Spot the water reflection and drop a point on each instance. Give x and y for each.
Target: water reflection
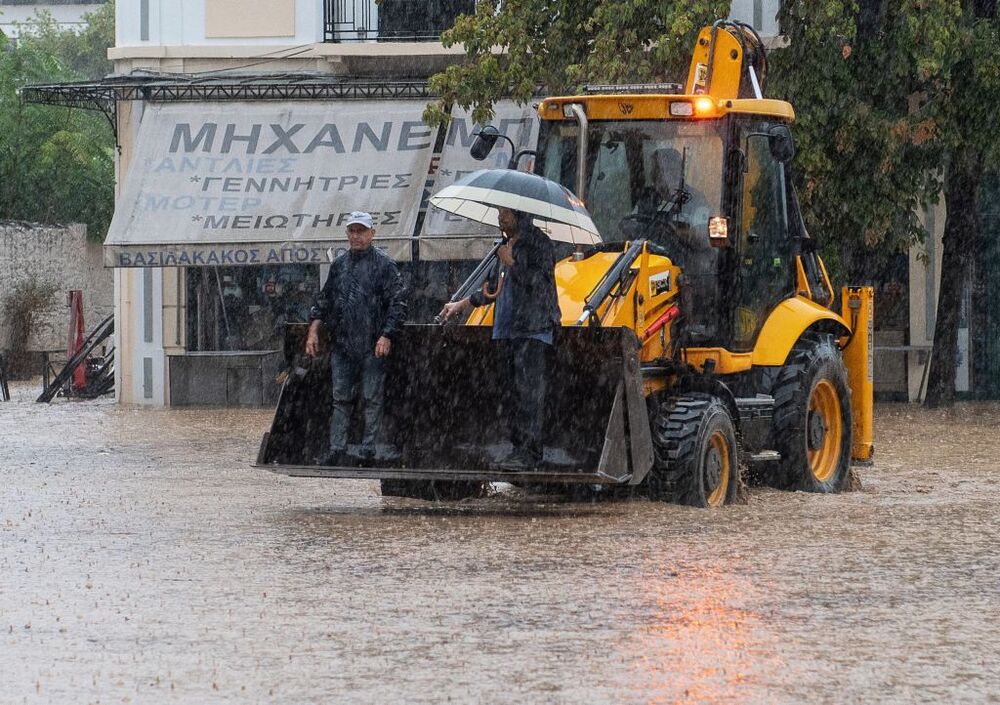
(143, 560)
(701, 642)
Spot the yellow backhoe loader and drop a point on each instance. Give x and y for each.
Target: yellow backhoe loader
(702, 337)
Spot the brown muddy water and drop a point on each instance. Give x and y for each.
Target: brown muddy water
(142, 560)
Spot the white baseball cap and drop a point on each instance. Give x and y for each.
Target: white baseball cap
(361, 218)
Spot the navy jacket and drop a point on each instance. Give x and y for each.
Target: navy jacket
(362, 300)
(533, 284)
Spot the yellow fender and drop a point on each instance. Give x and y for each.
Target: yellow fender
(786, 324)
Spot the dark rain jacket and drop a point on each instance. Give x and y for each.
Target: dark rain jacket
(534, 303)
(362, 300)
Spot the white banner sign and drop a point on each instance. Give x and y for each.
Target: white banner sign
(447, 236)
(268, 183)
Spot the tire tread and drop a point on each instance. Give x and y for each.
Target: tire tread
(812, 352)
(676, 425)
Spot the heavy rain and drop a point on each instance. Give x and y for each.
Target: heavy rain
(465, 351)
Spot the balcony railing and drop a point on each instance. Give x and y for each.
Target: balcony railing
(391, 20)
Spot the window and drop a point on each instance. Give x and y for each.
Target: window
(765, 270)
(144, 20)
(249, 18)
(632, 163)
(246, 308)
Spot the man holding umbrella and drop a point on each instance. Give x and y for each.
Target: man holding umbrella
(527, 306)
(525, 319)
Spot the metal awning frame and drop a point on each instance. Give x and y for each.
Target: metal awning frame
(104, 96)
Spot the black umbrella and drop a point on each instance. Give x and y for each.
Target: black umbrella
(479, 195)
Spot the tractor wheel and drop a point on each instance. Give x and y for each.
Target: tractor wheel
(696, 452)
(812, 419)
(432, 490)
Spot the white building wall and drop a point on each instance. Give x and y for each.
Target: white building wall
(142, 378)
(761, 14)
(183, 23)
(925, 282)
(140, 369)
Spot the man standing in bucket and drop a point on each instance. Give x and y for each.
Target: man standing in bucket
(525, 318)
(362, 306)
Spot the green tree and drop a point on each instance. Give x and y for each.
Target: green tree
(562, 44)
(969, 133)
(56, 164)
(83, 54)
(867, 162)
(893, 103)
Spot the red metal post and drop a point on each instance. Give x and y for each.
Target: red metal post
(74, 340)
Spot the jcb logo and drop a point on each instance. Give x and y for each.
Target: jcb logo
(626, 108)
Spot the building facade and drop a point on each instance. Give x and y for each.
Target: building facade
(304, 110)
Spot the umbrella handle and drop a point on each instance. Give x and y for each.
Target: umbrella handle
(485, 288)
(492, 295)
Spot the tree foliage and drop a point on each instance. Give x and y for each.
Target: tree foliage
(82, 54)
(895, 108)
(517, 46)
(867, 159)
(22, 310)
(56, 164)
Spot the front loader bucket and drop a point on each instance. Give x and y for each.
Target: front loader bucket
(448, 408)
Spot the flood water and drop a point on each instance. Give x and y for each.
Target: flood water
(142, 560)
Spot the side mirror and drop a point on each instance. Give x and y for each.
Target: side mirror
(485, 139)
(781, 143)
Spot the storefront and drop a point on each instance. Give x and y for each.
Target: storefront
(232, 200)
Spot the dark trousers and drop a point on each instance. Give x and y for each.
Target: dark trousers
(527, 358)
(348, 372)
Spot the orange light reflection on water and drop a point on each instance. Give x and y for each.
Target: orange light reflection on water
(703, 642)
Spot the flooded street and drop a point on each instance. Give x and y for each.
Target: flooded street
(143, 560)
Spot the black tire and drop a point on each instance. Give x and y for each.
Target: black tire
(696, 452)
(812, 426)
(433, 490)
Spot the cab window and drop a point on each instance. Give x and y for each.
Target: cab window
(764, 247)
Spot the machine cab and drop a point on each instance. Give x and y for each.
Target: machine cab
(705, 181)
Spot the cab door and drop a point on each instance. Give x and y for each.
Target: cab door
(764, 271)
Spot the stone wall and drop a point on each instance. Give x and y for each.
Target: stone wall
(61, 255)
